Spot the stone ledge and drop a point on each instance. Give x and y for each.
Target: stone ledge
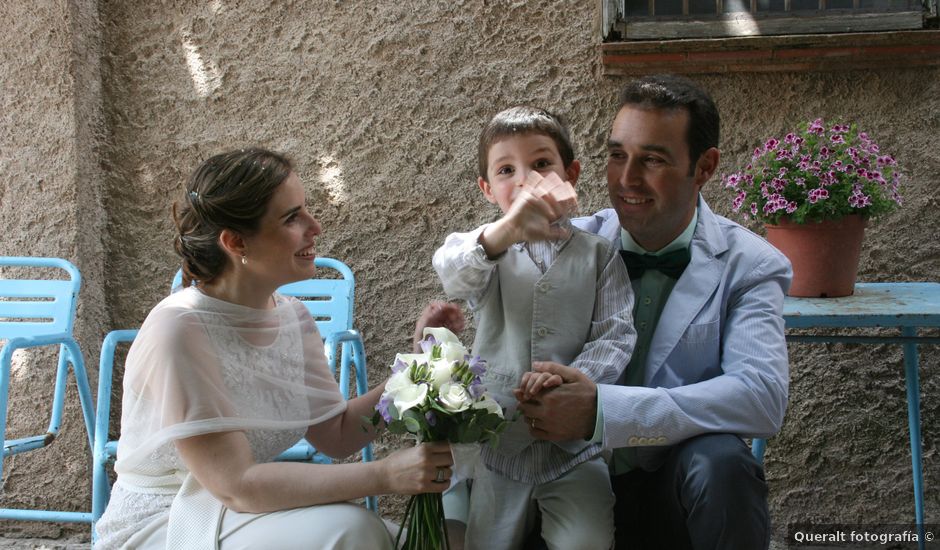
(794, 53)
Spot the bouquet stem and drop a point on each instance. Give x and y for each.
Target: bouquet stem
(425, 524)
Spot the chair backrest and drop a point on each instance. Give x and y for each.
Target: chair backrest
(34, 313)
(33, 307)
(330, 301)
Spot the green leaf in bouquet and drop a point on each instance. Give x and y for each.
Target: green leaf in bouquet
(415, 421)
(411, 424)
(397, 427)
(437, 407)
(472, 433)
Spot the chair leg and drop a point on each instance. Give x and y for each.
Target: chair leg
(58, 398)
(84, 392)
(5, 364)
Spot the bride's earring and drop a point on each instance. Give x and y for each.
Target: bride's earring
(244, 260)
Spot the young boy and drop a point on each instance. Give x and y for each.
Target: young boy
(540, 290)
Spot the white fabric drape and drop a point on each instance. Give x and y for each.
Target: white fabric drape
(201, 365)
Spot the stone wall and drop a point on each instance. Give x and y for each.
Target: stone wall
(51, 205)
(108, 106)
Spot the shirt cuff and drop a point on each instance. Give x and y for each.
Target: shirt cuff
(598, 436)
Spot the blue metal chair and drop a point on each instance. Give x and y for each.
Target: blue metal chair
(330, 302)
(34, 313)
(758, 448)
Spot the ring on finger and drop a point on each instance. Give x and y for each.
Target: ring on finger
(532, 423)
(440, 476)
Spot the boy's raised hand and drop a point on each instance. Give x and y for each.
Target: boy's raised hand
(528, 219)
(560, 190)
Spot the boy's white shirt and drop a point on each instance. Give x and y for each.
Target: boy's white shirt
(465, 271)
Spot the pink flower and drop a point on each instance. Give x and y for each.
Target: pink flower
(859, 200)
(771, 144)
(816, 127)
(837, 138)
(886, 160)
(816, 195)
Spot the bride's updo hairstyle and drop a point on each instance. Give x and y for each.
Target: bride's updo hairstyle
(228, 191)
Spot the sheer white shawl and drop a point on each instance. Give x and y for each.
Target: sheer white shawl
(201, 365)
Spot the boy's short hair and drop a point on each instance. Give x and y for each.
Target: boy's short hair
(522, 120)
(668, 91)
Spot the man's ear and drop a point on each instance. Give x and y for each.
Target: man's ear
(706, 165)
(487, 191)
(573, 171)
(232, 243)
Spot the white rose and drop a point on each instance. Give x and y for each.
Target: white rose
(410, 396)
(441, 334)
(454, 397)
(489, 404)
(441, 372)
(453, 351)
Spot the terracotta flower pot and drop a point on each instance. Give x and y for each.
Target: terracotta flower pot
(824, 254)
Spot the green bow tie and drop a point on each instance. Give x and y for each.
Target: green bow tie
(671, 264)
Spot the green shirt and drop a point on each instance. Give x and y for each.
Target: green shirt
(650, 291)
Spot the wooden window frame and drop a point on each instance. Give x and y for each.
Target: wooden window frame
(868, 44)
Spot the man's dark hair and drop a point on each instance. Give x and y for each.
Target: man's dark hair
(668, 91)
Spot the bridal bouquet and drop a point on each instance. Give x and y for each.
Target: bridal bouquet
(437, 395)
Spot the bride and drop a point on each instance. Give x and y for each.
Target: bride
(227, 374)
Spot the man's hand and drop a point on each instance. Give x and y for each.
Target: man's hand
(566, 412)
(438, 314)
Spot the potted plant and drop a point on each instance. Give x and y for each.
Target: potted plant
(814, 191)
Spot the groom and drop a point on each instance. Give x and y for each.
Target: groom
(710, 364)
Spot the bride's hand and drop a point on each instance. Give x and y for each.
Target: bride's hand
(425, 468)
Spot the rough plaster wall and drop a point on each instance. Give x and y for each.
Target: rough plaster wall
(380, 105)
(843, 454)
(50, 205)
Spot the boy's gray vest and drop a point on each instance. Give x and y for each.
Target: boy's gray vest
(526, 316)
